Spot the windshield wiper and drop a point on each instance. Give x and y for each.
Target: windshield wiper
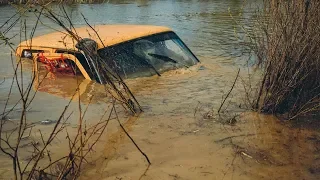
(166, 59)
(162, 57)
(148, 64)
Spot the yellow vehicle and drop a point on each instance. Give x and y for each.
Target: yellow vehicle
(128, 50)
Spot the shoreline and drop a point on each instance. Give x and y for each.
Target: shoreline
(34, 2)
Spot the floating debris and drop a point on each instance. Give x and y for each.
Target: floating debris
(48, 122)
(202, 68)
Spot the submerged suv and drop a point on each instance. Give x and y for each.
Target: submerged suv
(128, 50)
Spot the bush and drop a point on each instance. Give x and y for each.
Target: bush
(288, 50)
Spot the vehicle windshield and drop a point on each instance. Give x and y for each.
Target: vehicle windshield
(148, 55)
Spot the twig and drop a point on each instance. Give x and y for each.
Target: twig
(230, 137)
(131, 138)
(229, 91)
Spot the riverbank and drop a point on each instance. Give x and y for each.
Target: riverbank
(6, 2)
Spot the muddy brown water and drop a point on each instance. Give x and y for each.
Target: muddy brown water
(182, 140)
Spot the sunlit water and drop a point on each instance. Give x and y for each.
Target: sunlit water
(181, 143)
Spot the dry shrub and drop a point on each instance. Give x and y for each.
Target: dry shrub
(287, 45)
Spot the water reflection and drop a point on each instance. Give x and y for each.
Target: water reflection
(69, 86)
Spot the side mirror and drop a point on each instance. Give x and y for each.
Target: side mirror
(87, 45)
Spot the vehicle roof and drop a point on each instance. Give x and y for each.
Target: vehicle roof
(109, 34)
